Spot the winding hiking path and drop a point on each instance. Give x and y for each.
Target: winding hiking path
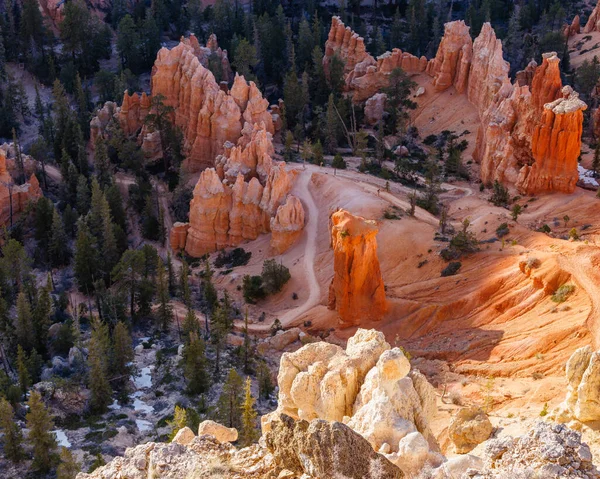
(310, 252)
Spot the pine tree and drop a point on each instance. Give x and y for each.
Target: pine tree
(190, 325)
(40, 437)
(230, 401)
(86, 261)
(245, 59)
(305, 43)
(102, 163)
(249, 433)
(58, 250)
(219, 329)
(18, 158)
(68, 467)
(178, 422)
(265, 383)
(164, 314)
(12, 438)
(171, 275)
(100, 388)
(128, 271)
(195, 365)
(22, 370)
(24, 327)
(122, 351)
(41, 317)
(184, 284)
(331, 126)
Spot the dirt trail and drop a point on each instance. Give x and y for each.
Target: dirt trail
(310, 252)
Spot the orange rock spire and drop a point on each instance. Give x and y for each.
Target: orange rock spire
(357, 291)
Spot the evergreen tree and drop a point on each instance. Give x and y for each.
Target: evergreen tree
(23, 370)
(305, 44)
(12, 438)
(171, 275)
(229, 405)
(98, 357)
(128, 272)
(24, 330)
(331, 126)
(195, 365)
(265, 383)
(40, 437)
(68, 467)
(58, 250)
(249, 433)
(178, 422)
(86, 262)
(102, 163)
(184, 284)
(41, 317)
(164, 313)
(219, 329)
(245, 59)
(122, 351)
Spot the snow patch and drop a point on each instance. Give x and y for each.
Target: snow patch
(61, 438)
(587, 176)
(143, 425)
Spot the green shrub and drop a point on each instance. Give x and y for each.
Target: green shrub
(502, 230)
(338, 162)
(562, 293)
(451, 269)
(500, 196)
(253, 290)
(274, 276)
(233, 258)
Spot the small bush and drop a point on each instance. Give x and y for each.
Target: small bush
(274, 276)
(545, 229)
(573, 234)
(451, 269)
(252, 287)
(502, 230)
(233, 258)
(339, 162)
(544, 411)
(562, 293)
(500, 196)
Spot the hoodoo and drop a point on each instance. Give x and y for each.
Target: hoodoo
(241, 198)
(357, 291)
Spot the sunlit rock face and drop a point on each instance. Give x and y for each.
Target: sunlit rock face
(593, 23)
(208, 113)
(14, 198)
(370, 387)
(357, 291)
(530, 131)
(245, 195)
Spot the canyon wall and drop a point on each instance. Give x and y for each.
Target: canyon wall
(530, 131)
(208, 113)
(14, 198)
(244, 195)
(593, 23)
(357, 291)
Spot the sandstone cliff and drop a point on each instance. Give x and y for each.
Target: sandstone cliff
(370, 387)
(208, 114)
(520, 141)
(365, 75)
(357, 291)
(245, 195)
(593, 23)
(13, 197)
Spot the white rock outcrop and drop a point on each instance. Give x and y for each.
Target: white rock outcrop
(583, 394)
(218, 431)
(371, 388)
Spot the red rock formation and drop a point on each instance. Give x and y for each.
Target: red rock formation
(178, 236)
(241, 198)
(593, 23)
(14, 198)
(574, 28)
(211, 49)
(208, 115)
(365, 76)
(453, 60)
(357, 291)
(287, 224)
(53, 11)
(556, 145)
